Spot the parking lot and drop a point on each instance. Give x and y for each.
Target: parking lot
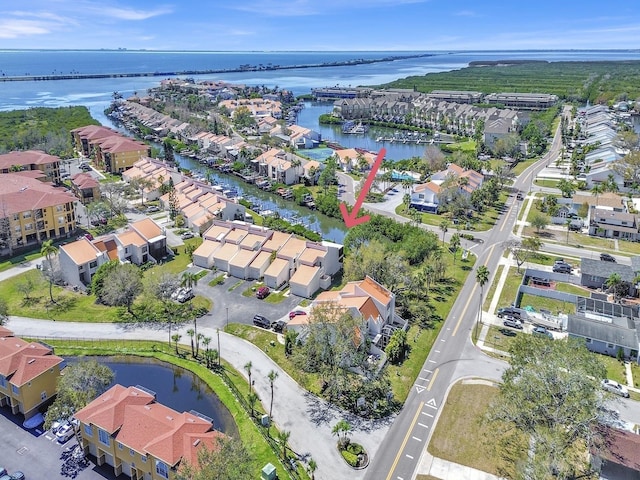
(39, 456)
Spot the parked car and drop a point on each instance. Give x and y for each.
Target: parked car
(519, 196)
(55, 426)
(65, 432)
(562, 267)
(17, 475)
(512, 322)
(85, 167)
(605, 257)
(5, 477)
(542, 331)
(295, 313)
(614, 387)
(511, 311)
(262, 292)
(261, 321)
(152, 209)
(278, 326)
(185, 294)
(187, 234)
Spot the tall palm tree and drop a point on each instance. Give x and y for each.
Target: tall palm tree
(444, 226)
(313, 466)
(272, 375)
(205, 342)
(247, 368)
(176, 338)
(191, 332)
(252, 398)
(190, 280)
(482, 277)
(596, 190)
(49, 250)
(283, 437)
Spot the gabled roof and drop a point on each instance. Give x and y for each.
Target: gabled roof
(27, 157)
(19, 193)
(81, 251)
(147, 228)
(620, 447)
(622, 332)
(21, 362)
(598, 268)
(84, 180)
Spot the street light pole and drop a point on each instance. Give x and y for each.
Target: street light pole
(218, 331)
(227, 317)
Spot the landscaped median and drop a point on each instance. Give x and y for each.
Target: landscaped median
(227, 383)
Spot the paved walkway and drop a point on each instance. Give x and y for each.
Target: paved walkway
(308, 418)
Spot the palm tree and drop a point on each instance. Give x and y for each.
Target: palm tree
(190, 280)
(252, 398)
(206, 341)
(444, 226)
(283, 438)
(482, 277)
(596, 190)
(272, 375)
(313, 466)
(613, 284)
(48, 250)
(454, 245)
(176, 338)
(199, 338)
(247, 368)
(191, 332)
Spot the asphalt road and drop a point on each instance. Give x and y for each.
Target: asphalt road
(453, 356)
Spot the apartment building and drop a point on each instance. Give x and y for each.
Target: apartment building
(49, 165)
(126, 428)
(29, 374)
(32, 211)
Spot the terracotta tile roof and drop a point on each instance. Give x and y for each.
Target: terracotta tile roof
(147, 228)
(107, 411)
(21, 362)
(81, 251)
(91, 132)
(376, 290)
(131, 237)
(311, 255)
(84, 180)
(5, 332)
(251, 240)
(216, 232)
(109, 246)
(434, 187)
(119, 144)
(27, 157)
(20, 193)
(198, 222)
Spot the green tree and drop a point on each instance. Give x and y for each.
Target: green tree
(141, 184)
(454, 245)
(4, 311)
(227, 459)
(272, 376)
(252, 398)
(482, 277)
(49, 250)
(98, 278)
(341, 430)
(81, 383)
(313, 466)
(176, 339)
(597, 190)
(283, 438)
(122, 286)
(539, 221)
(444, 227)
(397, 346)
(550, 392)
(247, 368)
(523, 250)
(567, 187)
(617, 286)
(169, 155)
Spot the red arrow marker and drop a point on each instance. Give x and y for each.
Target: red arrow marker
(350, 219)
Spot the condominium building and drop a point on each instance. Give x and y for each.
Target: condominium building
(32, 211)
(29, 374)
(49, 165)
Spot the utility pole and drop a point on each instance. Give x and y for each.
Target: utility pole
(218, 331)
(227, 318)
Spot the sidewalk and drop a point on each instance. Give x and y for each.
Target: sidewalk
(308, 418)
(20, 268)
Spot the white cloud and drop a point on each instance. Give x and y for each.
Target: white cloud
(132, 14)
(21, 28)
(299, 8)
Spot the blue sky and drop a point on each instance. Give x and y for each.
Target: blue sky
(320, 24)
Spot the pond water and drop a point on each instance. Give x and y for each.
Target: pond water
(174, 387)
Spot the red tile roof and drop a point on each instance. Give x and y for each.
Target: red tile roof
(19, 193)
(28, 157)
(84, 180)
(91, 132)
(21, 362)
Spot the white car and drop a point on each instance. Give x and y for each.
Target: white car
(65, 432)
(614, 387)
(187, 234)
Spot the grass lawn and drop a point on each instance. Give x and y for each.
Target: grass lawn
(236, 285)
(542, 258)
(72, 306)
(546, 182)
(615, 368)
(467, 146)
(276, 297)
(550, 304)
(499, 341)
(475, 444)
(510, 288)
(629, 247)
(571, 288)
(635, 372)
(523, 165)
(578, 240)
(179, 262)
(523, 208)
(217, 280)
(250, 434)
(18, 259)
(492, 289)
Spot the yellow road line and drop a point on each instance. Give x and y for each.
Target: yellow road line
(433, 379)
(466, 306)
(505, 219)
(406, 439)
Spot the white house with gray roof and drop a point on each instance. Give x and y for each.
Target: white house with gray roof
(606, 335)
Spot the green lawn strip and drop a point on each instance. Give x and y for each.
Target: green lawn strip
(268, 343)
(249, 432)
(522, 165)
(552, 305)
(492, 289)
(497, 340)
(523, 208)
(615, 368)
(276, 297)
(249, 292)
(546, 182)
(475, 443)
(510, 288)
(72, 306)
(635, 372)
(200, 302)
(217, 280)
(578, 240)
(629, 247)
(542, 258)
(571, 288)
(18, 259)
(201, 274)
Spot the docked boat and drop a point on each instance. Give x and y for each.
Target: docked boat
(352, 128)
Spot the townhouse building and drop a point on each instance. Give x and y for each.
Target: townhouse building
(129, 430)
(32, 160)
(85, 187)
(427, 197)
(32, 211)
(279, 166)
(29, 373)
(117, 153)
(84, 138)
(252, 252)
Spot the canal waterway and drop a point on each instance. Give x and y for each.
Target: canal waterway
(174, 387)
